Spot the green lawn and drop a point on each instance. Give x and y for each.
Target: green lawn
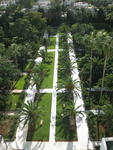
(21, 83)
(52, 43)
(14, 100)
(29, 66)
(42, 132)
(63, 129)
(48, 80)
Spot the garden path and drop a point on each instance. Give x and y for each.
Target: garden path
(22, 129)
(21, 132)
(81, 123)
(53, 50)
(54, 95)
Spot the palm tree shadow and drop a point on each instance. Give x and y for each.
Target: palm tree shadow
(70, 146)
(38, 145)
(64, 127)
(31, 131)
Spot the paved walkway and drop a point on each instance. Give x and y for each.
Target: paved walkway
(81, 123)
(17, 91)
(54, 95)
(21, 132)
(22, 129)
(53, 50)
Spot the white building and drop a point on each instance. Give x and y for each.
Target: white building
(107, 144)
(45, 4)
(5, 3)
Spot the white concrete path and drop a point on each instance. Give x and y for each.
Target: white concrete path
(50, 90)
(17, 91)
(81, 123)
(46, 90)
(21, 132)
(54, 95)
(53, 50)
(22, 129)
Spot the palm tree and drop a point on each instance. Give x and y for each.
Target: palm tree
(45, 43)
(105, 46)
(69, 86)
(107, 119)
(70, 112)
(30, 112)
(89, 41)
(14, 52)
(38, 75)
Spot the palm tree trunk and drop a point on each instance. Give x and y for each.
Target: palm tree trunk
(98, 130)
(104, 69)
(90, 82)
(16, 62)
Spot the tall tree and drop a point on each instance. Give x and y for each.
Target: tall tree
(7, 74)
(30, 112)
(105, 46)
(14, 52)
(54, 13)
(90, 43)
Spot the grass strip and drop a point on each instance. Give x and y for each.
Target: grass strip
(64, 131)
(29, 66)
(22, 82)
(52, 43)
(48, 80)
(42, 132)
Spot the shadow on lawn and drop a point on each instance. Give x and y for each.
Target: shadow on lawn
(68, 133)
(31, 130)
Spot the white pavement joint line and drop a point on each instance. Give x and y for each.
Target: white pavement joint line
(54, 95)
(17, 91)
(82, 128)
(46, 90)
(53, 50)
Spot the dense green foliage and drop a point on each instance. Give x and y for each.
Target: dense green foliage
(22, 32)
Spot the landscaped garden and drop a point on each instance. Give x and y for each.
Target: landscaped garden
(40, 132)
(65, 121)
(22, 32)
(96, 77)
